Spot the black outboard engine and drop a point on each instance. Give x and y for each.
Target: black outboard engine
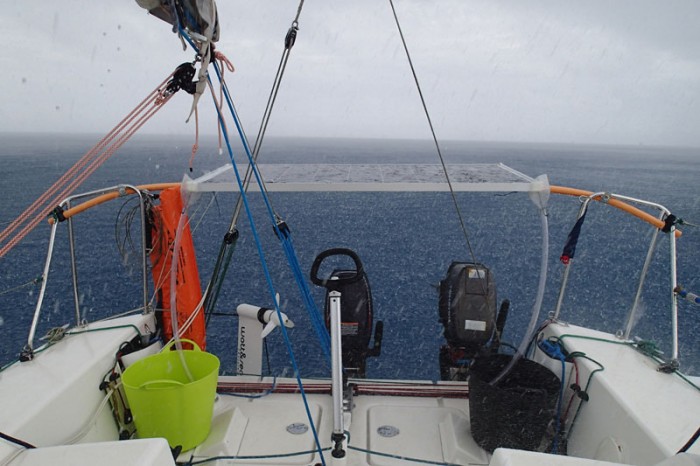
(467, 306)
(356, 312)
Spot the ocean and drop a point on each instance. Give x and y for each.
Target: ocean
(405, 240)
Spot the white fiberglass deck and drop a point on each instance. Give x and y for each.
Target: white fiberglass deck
(274, 429)
(635, 414)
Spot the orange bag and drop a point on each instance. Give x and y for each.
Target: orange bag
(188, 289)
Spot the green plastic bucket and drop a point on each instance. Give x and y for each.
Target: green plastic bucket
(165, 402)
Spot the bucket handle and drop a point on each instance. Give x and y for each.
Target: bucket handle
(163, 381)
(195, 346)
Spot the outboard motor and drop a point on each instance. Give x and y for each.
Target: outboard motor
(467, 306)
(356, 311)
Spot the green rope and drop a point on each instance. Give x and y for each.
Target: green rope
(300, 453)
(252, 457)
(34, 281)
(645, 347)
(580, 405)
(350, 447)
(220, 269)
(403, 458)
(583, 337)
(6, 366)
(90, 330)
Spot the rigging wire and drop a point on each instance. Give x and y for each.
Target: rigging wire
(33, 281)
(269, 282)
(281, 230)
(228, 243)
(277, 227)
(432, 131)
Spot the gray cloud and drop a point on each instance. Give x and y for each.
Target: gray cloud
(623, 72)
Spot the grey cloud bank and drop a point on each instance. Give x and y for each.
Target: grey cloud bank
(624, 72)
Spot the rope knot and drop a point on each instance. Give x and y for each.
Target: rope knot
(224, 61)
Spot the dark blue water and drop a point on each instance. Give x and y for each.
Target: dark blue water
(406, 241)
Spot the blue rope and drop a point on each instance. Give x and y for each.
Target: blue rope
(554, 350)
(284, 236)
(261, 254)
(314, 314)
(270, 285)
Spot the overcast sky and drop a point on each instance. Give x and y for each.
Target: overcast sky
(611, 72)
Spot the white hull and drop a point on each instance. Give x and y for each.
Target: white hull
(635, 414)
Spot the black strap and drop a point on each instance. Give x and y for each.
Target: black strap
(690, 442)
(669, 222)
(16, 441)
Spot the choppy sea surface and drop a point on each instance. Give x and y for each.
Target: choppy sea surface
(405, 240)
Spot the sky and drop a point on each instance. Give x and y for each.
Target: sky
(553, 71)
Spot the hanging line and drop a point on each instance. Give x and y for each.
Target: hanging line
(432, 131)
(84, 167)
(228, 243)
(280, 227)
(33, 281)
(289, 41)
(283, 233)
(225, 64)
(256, 237)
(37, 204)
(266, 272)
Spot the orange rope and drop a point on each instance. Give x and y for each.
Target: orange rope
(77, 181)
(615, 203)
(82, 169)
(225, 64)
(220, 116)
(224, 61)
(37, 204)
(195, 146)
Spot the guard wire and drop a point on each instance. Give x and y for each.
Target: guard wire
(16, 441)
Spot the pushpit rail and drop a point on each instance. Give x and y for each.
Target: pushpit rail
(65, 212)
(659, 223)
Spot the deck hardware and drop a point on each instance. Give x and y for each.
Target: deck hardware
(297, 428)
(388, 431)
